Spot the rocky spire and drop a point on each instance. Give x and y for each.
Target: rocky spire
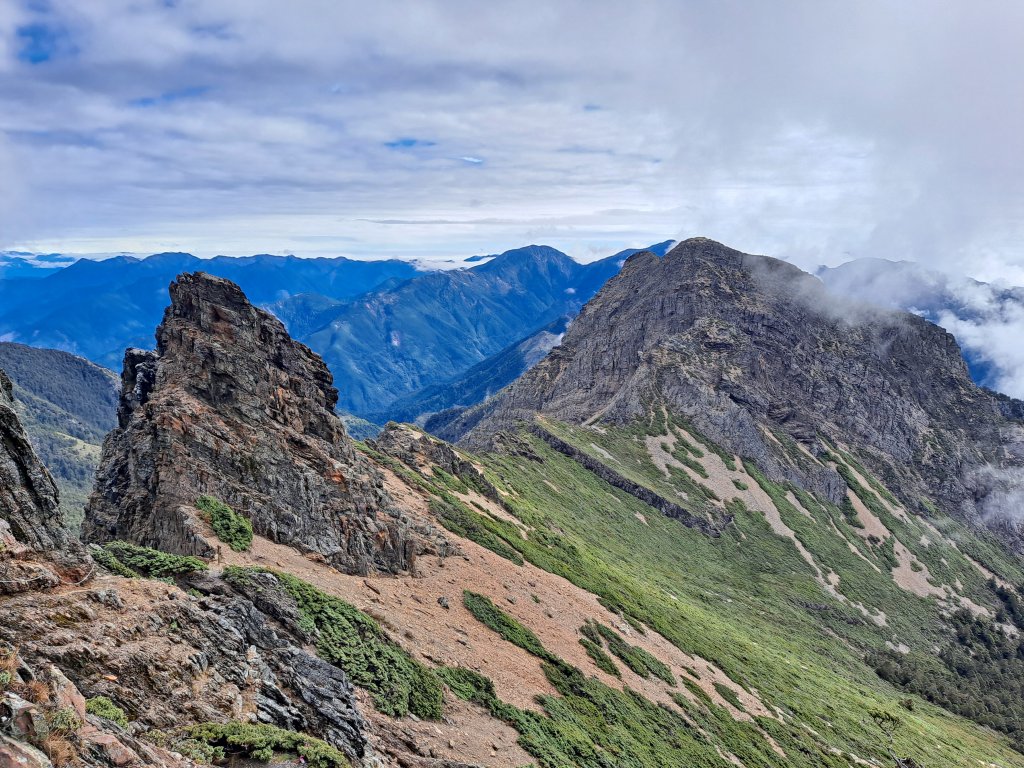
(230, 406)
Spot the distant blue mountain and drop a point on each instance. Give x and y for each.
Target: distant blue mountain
(30, 266)
(479, 382)
(97, 308)
(385, 328)
(394, 342)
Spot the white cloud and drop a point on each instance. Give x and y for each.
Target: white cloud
(806, 130)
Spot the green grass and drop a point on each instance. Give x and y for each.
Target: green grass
(354, 642)
(747, 601)
(233, 529)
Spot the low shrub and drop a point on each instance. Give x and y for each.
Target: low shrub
(258, 741)
(603, 661)
(488, 614)
(351, 640)
(103, 707)
(729, 695)
(233, 529)
(152, 562)
(637, 659)
(485, 531)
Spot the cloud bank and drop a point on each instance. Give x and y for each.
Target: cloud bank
(814, 131)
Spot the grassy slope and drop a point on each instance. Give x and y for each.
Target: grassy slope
(748, 602)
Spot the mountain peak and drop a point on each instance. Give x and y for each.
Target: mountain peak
(542, 256)
(231, 407)
(750, 347)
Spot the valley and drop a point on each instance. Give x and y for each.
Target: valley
(632, 555)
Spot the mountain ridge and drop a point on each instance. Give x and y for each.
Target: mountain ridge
(737, 342)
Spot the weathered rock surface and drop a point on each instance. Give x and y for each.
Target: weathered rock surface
(757, 354)
(35, 548)
(229, 405)
(422, 452)
(171, 659)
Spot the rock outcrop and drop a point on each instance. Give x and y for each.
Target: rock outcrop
(36, 550)
(759, 357)
(171, 659)
(230, 406)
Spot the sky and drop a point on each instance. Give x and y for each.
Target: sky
(817, 131)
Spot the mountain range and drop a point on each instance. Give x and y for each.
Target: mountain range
(407, 330)
(729, 520)
(96, 309)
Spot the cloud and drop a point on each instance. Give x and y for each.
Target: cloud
(987, 320)
(810, 131)
(1001, 495)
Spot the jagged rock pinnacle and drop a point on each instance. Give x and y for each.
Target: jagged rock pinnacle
(230, 406)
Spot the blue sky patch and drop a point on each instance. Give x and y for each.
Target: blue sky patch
(41, 42)
(169, 97)
(407, 142)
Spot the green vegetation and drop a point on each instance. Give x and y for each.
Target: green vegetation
(589, 723)
(488, 614)
(485, 531)
(593, 725)
(637, 659)
(101, 706)
(131, 560)
(978, 674)
(603, 661)
(728, 694)
(233, 529)
(1012, 609)
(351, 640)
(261, 742)
(696, 690)
(749, 603)
(63, 720)
(106, 559)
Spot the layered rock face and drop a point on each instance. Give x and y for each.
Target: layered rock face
(765, 362)
(30, 518)
(172, 659)
(230, 406)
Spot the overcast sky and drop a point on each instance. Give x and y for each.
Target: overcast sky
(816, 131)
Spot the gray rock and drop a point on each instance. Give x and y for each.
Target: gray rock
(229, 405)
(761, 359)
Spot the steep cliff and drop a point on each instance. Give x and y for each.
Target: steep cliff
(30, 516)
(759, 357)
(230, 406)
